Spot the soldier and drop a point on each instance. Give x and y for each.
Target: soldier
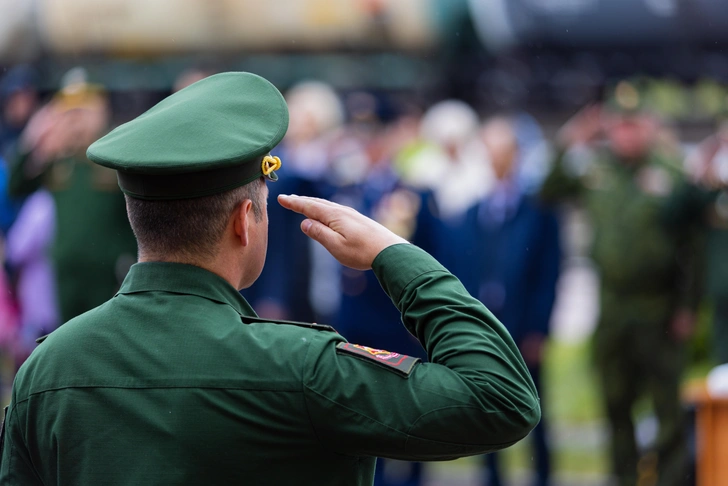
(93, 244)
(647, 307)
(175, 380)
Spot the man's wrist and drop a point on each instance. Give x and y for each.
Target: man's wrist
(397, 265)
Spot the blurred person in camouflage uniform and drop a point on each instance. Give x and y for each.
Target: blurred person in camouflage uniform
(94, 245)
(645, 262)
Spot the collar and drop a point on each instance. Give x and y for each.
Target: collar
(501, 205)
(181, 278)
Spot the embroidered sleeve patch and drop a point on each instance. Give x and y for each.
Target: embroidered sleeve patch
(399, 363)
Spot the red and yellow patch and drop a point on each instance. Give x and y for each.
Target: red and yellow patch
(401, 363)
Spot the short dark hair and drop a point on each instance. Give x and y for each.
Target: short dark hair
(189, 227)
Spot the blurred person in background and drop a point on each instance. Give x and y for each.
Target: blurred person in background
(534, 159)
(447, 164)
(93, 245)
(705, 202)
(510, 261)
(190, 76)
(27, 254)
(646, 267)
(18, 100)
(310, 292)
(450, 161)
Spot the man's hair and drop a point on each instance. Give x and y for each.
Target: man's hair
(190, 228)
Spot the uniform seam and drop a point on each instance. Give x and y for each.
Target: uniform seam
(156, 387)
(514, 408)
(8, 440)
(407, 434)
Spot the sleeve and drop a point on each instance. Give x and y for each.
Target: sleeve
(20, 184)
(474, 396)
(16, 468)
(564, 180)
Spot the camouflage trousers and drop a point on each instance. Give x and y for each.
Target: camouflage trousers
(636, 357)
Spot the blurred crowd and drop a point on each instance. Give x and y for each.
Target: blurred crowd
(485, 195)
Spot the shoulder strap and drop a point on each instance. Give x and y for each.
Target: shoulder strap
(309, 325)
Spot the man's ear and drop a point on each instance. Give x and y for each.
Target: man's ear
(241, 221)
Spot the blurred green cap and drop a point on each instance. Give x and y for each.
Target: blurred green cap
(626, 97)
(210, 137)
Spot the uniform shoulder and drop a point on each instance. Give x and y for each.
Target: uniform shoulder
(289, 333)
(307, 325)
(48, 354)
(74, 325)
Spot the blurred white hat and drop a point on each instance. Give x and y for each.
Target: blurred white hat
(318, 102)
(449, 122)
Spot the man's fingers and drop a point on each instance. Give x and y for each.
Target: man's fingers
(320, 232)
(311, 207)
(294, 199)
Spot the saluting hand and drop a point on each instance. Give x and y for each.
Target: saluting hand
(352, 238)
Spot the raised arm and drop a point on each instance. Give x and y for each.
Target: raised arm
(475, 395)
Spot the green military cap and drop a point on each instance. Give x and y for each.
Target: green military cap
(210, 137)
(626, 97)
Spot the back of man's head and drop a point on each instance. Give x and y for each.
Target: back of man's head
(188, 229)
(188, 162)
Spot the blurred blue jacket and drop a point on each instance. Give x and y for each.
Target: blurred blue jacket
(508, 255)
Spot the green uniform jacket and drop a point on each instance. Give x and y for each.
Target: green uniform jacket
(646, 259)
(174, 381)
(92, 230)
